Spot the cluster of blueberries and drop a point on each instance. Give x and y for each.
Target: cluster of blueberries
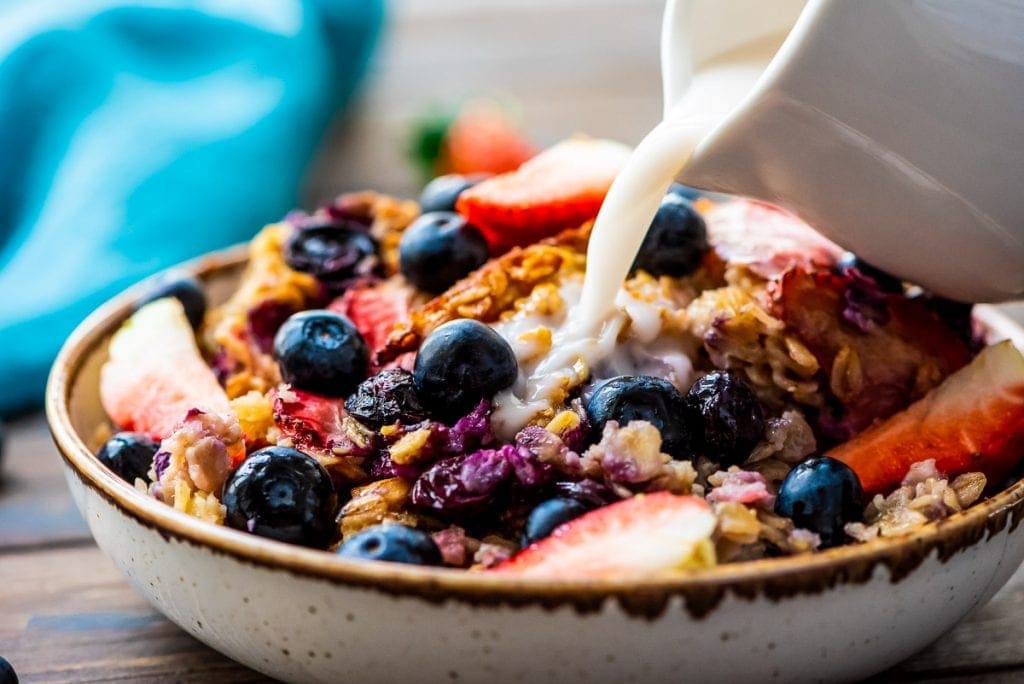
(284, 494)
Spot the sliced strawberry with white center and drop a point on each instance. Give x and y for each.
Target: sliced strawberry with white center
(155, 374)
(973, 421)
(649, 534)
(765, 238)
(560, 188)
(375, 308)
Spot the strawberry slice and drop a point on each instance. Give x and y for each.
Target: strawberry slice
(313, 422)
(483, 139)
(899, 350)
(560, 188)
(973, 421)
(766, 239)
(648, 534)
(155, 374)
(375, 308)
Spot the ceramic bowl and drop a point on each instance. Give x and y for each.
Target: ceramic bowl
(307, 616)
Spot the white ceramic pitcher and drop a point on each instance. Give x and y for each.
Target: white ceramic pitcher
(895, 127)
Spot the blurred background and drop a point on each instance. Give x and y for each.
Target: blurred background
(560, 66)
(139, 133)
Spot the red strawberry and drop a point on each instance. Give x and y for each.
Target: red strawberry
(973, 421)
(312, 421)
(483, 139)
(375, 308)
(155, 374)
(560, 188)
(648, 534)
(768, 240)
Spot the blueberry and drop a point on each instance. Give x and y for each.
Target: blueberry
(676, 241)
(395, 543)
(440, 194)
(185, 288)
(129, 454)
(685, 191)
(642, 397)
(283, 494)
(885, 282)
(330, 252)
(322, 352)
(730, 416)
(438, 249)
(460, 364)
(821, 495)
(385, 398)
(543, 519)
(7, 673)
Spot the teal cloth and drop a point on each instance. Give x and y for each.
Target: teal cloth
(134, 135)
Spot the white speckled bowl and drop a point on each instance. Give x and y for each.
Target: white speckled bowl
(304, 615)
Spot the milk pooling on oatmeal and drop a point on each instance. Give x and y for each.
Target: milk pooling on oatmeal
(604, 330)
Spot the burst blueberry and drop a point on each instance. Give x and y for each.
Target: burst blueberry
(441, 193)
(821, 495)
(386, 398)
(438, 249)
(731, 419)
(330, 252)
(284, 494)
(184, 287)
(460, 364)
(676, 240)
(322, 352)
(129, 454)
(543, 519)
(641, 397)
(395, 543)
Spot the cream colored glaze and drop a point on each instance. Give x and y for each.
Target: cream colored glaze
(608, 332)
(630, 341)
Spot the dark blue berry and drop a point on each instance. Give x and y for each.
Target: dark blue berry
(440, 194)
(322, 352)
(395, 543)
(129, 454)
(7, 673)
(685, 191)
(283, 494)
(543, 519)
(884, 281)
(438, 249)
(676, 241)
(731, 419)
(642, 397)
(331, 252)
(821, 495)
(385, 398)
(460, 364)
(185, 288)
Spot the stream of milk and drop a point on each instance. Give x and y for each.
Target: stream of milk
(590, 335)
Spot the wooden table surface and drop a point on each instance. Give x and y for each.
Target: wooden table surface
(67, 615)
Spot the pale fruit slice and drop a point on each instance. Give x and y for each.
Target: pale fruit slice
(973, 421)
(155, 374)
(649, 534)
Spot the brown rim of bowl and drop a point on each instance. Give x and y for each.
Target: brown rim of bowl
(702, 589)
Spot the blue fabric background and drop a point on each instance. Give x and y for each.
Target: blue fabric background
(134, 135)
